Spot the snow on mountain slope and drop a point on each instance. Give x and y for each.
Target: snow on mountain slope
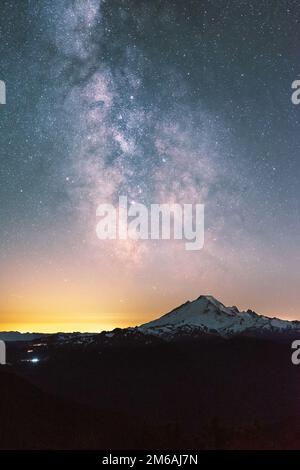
(207, 314)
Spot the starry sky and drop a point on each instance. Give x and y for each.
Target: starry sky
(161, 101)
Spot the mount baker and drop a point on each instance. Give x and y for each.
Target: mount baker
(207, 315)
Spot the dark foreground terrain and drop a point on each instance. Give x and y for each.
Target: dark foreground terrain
(210, 393)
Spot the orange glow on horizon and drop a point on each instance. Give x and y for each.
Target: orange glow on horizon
(88, 295)
(64, 327)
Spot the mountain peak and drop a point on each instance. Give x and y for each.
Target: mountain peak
(207, 314)
(205, 311)
(211, 299)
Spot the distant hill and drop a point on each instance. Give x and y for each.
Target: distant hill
(17, 336)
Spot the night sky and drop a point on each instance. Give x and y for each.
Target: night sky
(162, 101)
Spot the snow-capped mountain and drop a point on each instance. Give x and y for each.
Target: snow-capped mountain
(207, 315)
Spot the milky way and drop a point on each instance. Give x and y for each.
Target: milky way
(170, 101)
